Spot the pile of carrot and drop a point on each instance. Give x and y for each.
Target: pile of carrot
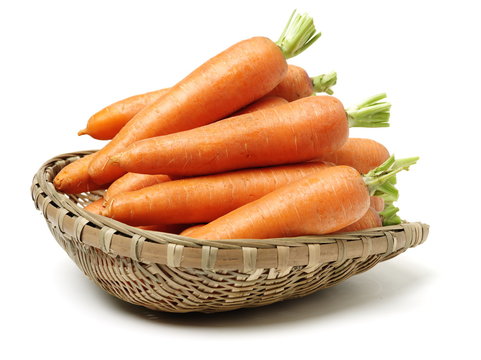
(242, 147)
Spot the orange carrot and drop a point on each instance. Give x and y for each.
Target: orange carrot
(74, 178)
(325, 202)
(95, 207)
(318, 204)
(131, 182)
(298, 131)
(202, 199)
(297, 84)
(191, 229)
(265, 102)
(377, 203)
(104, 124)
(371, 219)
(361, 154)
(229, 81)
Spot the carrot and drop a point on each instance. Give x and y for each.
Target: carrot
(265, 102)
(229, 81)
(104, 124)
(370, 219)
(74, 178)
(297, 84)
(131, 182)
(95, 207)
(298, 131)
(323, 203)
(202, 199)
(377, 203)
(191, 229)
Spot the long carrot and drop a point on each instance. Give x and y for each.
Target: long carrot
(319, 204)
(132, 182)
(298, 131)
(106, 123)
(74, 178)
(202, 199)
(229, 81)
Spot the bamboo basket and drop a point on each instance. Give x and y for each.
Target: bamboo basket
(167, 272)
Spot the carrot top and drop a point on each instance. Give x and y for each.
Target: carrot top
(298, 35)
(323, 83)
(370, 113)
(389, 215)
(379, 180)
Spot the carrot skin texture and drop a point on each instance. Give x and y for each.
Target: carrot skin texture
(239, 75)
(295, 85)
(203, 199)
(320, 204)
(106, 123)
(132, 182)
(370, 219)
(95, 207)
(298, 131)
(74, 178)
(361, 154)
(265, 102)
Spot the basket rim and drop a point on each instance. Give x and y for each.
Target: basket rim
(116, 238)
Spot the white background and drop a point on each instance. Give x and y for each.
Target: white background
(62, 61)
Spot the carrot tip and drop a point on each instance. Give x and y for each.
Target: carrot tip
(82, 132)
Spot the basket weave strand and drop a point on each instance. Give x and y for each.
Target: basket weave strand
(179, 274)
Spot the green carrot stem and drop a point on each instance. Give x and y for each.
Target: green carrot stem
(377, 180)
(389, 215)
(323, 83)
(370, 113)
(298, 35)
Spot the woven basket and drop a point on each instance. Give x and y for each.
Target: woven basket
(178, 274)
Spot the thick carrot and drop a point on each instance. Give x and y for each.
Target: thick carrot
(202, 199)
(323, 203)
(319, 204)
(370, 219)
(229, 81)
(298, 131)
(74, 178)
(95, 207)
(132, 182)
(361, 154)
(106, 123)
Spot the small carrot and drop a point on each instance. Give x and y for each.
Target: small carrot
(131, 182)
(74, 178)
(361, 154)
(95, 207)
(229, 81)
(106, 123)
(371, 219)
(377, 203)
(202, 199)
(298, 131)
(320, 204)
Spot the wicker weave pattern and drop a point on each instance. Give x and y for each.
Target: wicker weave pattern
(178, 274)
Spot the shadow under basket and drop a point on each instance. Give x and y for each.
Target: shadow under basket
(173, 273)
